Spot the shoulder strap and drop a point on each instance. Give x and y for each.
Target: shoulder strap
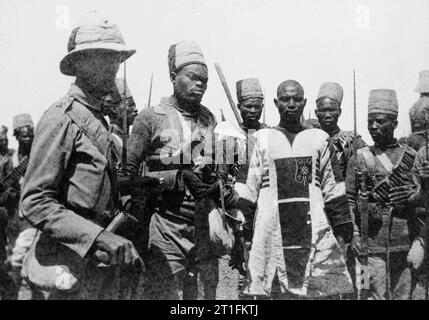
(385, 161)
(368, 158)
(84, 119)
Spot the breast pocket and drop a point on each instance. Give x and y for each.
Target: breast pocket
(89, 182)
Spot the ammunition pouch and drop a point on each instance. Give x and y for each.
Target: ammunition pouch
(399, 176)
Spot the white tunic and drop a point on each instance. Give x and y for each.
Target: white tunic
(291, 183)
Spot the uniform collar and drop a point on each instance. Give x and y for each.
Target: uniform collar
(172, 102)
(84, 97)
(393, 145)
(245, 128)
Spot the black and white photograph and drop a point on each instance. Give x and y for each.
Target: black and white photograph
(233, 151)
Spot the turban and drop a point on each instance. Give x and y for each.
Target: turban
(331, 90)
(22, 120)
(95, 32)
(383, 101)
(184, 53)
(423, 85)
(249, 88)
(418, 114)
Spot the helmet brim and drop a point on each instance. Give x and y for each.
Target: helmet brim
(67, 64)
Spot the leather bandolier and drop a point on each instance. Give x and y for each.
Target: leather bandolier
(382, 228)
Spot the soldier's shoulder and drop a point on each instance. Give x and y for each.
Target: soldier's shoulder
(56, 111)
(207, 115)
(206, 111)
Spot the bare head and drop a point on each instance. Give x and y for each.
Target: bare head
(290, 102)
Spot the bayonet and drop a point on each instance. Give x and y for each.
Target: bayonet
(361, 204)
(150, 90)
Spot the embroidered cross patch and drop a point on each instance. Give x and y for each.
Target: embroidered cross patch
(303, 170)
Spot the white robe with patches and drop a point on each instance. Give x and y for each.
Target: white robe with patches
(291, 183)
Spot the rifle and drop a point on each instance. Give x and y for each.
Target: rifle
(228, 93)
(143, 167)
(124, 124)
(361, 203)
(427, 205)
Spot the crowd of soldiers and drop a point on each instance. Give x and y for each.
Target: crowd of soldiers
(301, 210)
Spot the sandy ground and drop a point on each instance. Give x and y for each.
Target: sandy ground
(228, 282)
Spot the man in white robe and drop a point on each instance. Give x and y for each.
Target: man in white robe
(300, 209)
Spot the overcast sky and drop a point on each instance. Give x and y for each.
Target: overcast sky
(387, 41)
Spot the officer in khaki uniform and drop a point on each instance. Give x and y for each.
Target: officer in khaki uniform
(69, 190)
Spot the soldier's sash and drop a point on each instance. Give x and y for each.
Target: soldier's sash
(294, 176)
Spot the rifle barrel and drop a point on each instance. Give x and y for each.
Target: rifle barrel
(150, 90)
(124, 122)
(228, 93)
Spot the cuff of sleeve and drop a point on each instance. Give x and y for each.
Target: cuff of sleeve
(86, 241)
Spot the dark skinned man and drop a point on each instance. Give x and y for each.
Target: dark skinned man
(6, 164)
(294, 254)
(7, 286)
(20, 233)
(250, 99)
(167, 137)
(328, 111)
(391, 204)
(117, 102)
(69, 191)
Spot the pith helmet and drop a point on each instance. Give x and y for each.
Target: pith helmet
(95, 32)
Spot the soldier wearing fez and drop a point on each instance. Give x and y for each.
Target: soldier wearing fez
(20, 232)
(328, 111)
(250, 99)
(392, 200)
(166, 137)
(294, 253)
(69, 192)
